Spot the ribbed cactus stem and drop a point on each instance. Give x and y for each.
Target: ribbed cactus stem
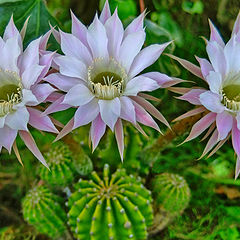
(117, 207)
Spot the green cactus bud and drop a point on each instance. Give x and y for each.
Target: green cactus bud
(59, 159)
(42, 209)
(117, 207)
(172, 195)
(82, 164)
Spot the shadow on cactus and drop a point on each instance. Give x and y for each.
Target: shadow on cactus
(43, 210)
(171, 195)
(117, 207)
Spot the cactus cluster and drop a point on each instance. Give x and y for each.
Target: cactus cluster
(171, 196)
(59, 159)
(117, 207)
(43, 210)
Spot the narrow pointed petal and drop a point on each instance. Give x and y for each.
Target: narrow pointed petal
(143, 117)
(209, 131)
(205, 66)
(12, 32)
(237, 168)
(114, 29)
(139, 128)
(18, 120)
(146, 57)
(38, 121)
(193, 96)
(24, 28)
(7, 137)
(78, 95)
(236, 138)
(201, 126)
(190, 113)
(139, 84)
(151, 109)
(55, 33)
(219, 145)
(110, 111)
(130, 47)
(119, 137)
(97, 39)
(15, 149)
(86, 113)
(127, 110)
(188, 65)
(31, 145)
(97, 130)
(178, 90)
(66, 130)
(106, 13)
(42, 91)
(236, 27)
(224, 123)
(149, 97)
(44, 40)
(212, 102)
(215, 36)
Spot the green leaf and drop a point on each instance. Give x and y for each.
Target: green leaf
(38, 22)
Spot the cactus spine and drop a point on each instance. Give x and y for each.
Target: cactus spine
(42, 209)
(117, 207)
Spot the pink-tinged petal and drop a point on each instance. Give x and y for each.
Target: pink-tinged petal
(217, 57)
(149, 97)
(30, 56)
(151, 109)
(62, 82)
(24, 28)
(188, 65)
(79, 30)
(45, 61)
(7, 137)
(209, 131)
(136, 25)
(146, 57)
(38, 121)
(55, 33)
(119, 137)
(215, 36)
(78, 95)
(205, 66)
(28, 98)
(139, 128)
(212, 102)
(97, 39)
(179, 90)
(219, 145)
(86, 113)
(238, 120)
(106, 13)
(31, 145)
(54, 97)
(190, 113)
(9, 61)
(66, 130)
(130, 47)
(236, 138)
(211, 143)
(44, 40)
(237, 168)
(110, 111)
(236, 26)
(18, 120)
(114, 30)
(214, 80)
(127, 110)
(31, 75)
(57, 106)
(97, 130)
(200, 126)
(139, 84)
(71, 67)
(224, 123)
(193, 96)
(42, 91)
(12, 32)
(143, 117)
(2, 121)
(73, 47)
(232, 52)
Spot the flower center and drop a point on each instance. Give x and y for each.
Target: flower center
(231, 97)
(106, 78)
(10, 91)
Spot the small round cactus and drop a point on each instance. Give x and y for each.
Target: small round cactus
(59, 159)
(117, 207)
(171, 196)
(42, 209)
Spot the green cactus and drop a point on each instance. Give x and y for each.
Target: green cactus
(117, 207)
(42, 209)
(59, 159)
(171, 195)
